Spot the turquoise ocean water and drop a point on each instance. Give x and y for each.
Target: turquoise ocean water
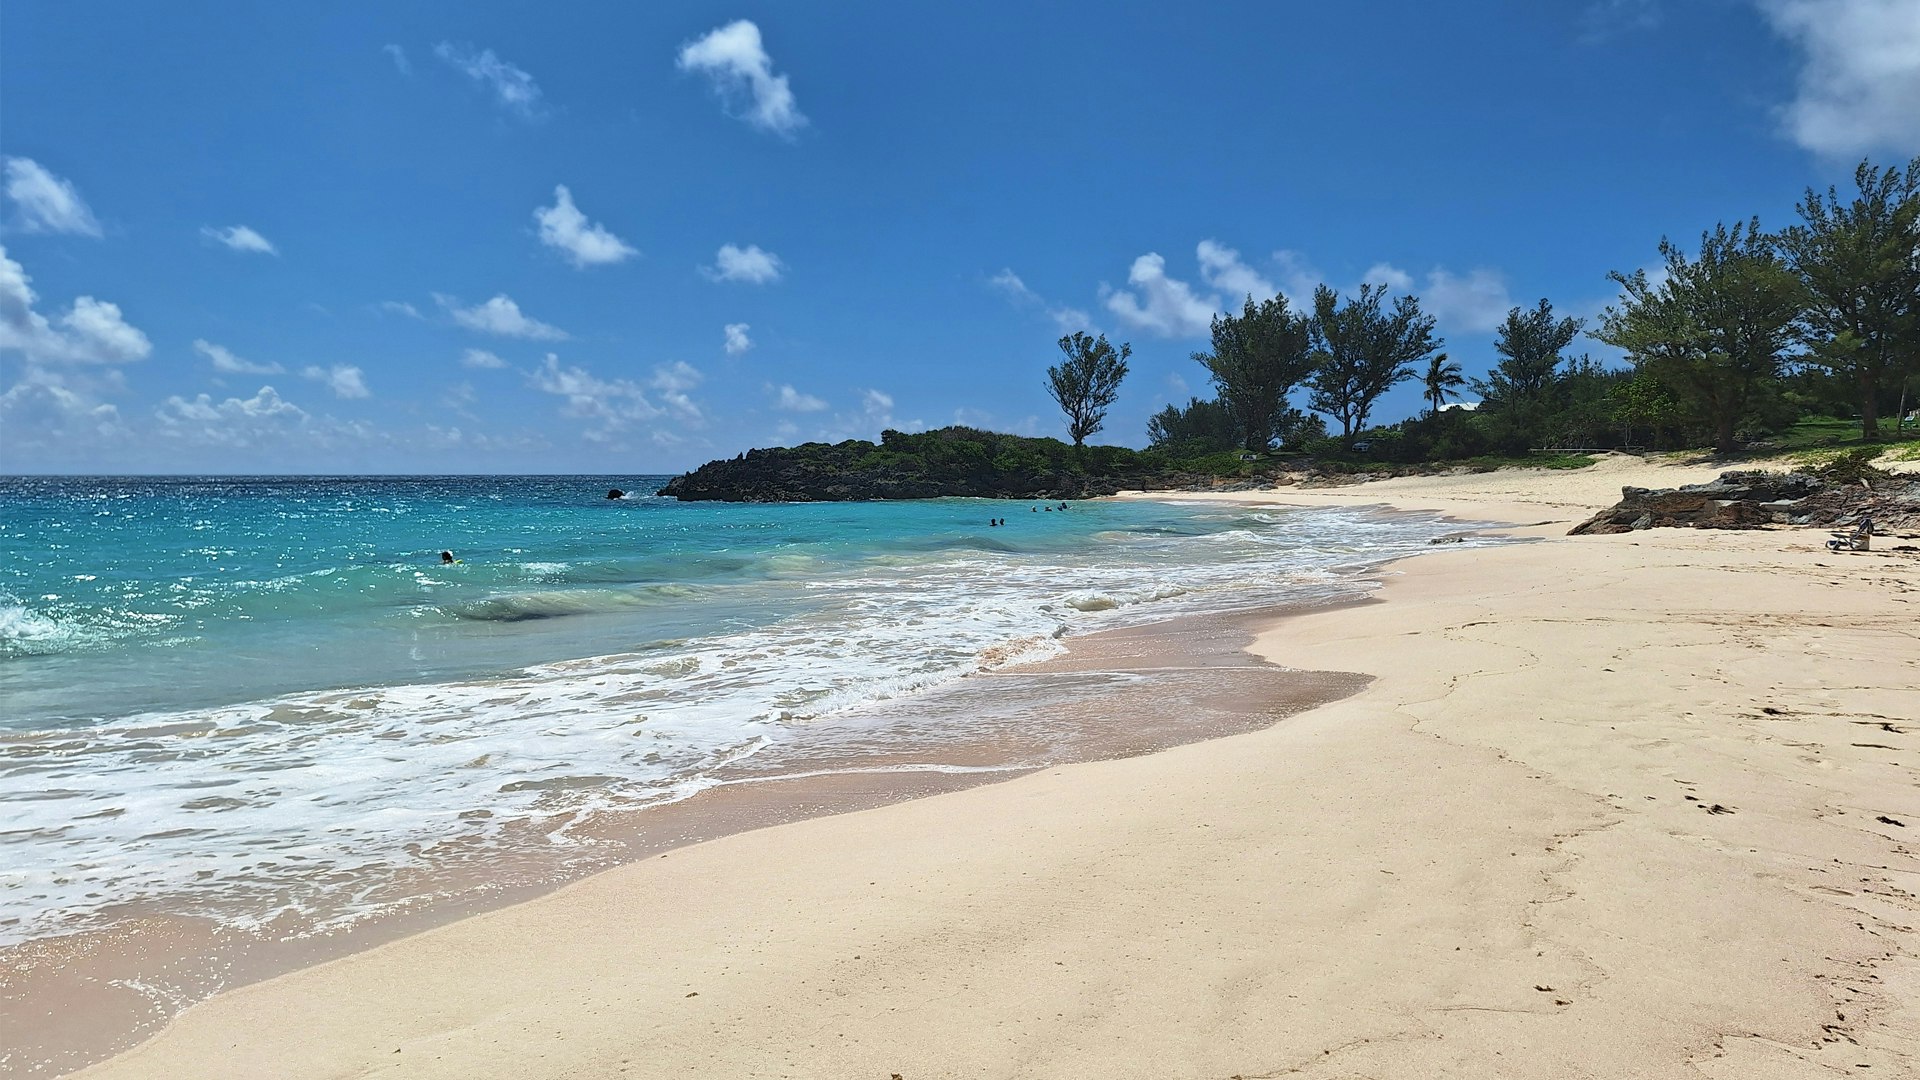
(253, 699)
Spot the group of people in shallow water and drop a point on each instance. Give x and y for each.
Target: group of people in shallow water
(997, 522)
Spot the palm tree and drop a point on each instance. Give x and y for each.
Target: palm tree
(1442, 377)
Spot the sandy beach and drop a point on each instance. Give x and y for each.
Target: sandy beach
(1641, 805)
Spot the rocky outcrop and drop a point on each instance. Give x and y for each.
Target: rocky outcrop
(949, 462)
(1752, 500)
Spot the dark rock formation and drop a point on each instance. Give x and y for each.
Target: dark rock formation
(948, 462)
(1752, 499)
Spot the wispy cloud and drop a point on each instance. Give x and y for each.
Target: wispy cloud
(1222, 268)
(500, 316)
(343, 379)
(399, 56)
(790, 400)
(224, 360)
(748, 264)
(481, 358)
(1009, 284)
(239, 238)
(609, 405)
(400, 307)
(1604, 20)
(734, 60)
(672, 382)
(512, 87)
(584, 243)
(47, 203)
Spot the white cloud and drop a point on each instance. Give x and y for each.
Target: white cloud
(500, 316)
(239, 238)
(224, 360)
(1859, 88)
(233, 422)
(737, 339)
(1161, 305)
(611, 404)
(1298, 277)
(1389, 275)
(585, 243)
(1474, 304)
(672, 381)
(874, 415)
(748, 264)
(1221, 268)
(399, 56)
(1009, 282)
(792, 400)
(47, 203)
(1068, 319)
(90, 332)
(734, 60)
(481, 358)
(344, 380)
(513, 88)
(42, 411)
(401, 307)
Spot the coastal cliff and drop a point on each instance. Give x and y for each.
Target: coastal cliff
(953, 461)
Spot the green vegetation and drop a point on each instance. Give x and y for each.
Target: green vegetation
(1361, 351)
(1797, 340)
(1862, 278)
(1258, 357)
(1087, 381)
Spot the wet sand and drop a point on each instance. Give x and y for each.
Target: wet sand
(67, 1001)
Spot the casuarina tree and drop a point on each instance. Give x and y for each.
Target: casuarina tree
(1523, 390)
(1087, 382)
(1361, 349)
(1715, 328)
(1258, 357)
(1860, 263)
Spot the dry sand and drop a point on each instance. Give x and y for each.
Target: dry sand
(1615, 806)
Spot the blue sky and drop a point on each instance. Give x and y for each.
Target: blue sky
(266, 237)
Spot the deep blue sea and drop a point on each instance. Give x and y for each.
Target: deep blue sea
(250, 697)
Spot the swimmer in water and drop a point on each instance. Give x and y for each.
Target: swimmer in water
(446, 558)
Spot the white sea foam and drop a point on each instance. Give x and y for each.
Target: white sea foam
(289, 809)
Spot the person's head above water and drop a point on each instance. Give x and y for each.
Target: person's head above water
(446, 556)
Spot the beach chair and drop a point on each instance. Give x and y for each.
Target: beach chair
(1858, 538)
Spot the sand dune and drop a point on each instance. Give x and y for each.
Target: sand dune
(1621, 806)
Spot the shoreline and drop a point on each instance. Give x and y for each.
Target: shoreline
(79, 999)
(1451, 872)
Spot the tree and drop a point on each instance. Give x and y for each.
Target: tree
(1529, 344)
(1441, 380)
(1361, 350)
(1203, 427)
(1522, 394)
(1714, 328)
(1258, 357)
(1087, 381)
(1860, 265)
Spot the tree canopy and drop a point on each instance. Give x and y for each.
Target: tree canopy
(1086, 383)
(1258, 357)
(1714, 327)
(1361, 350)
(1860, 263)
